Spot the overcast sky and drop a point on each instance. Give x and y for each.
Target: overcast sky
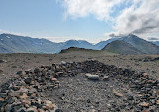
(91, 20)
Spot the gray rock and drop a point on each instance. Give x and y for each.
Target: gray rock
(92, 77)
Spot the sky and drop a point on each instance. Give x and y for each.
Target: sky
(91, 20)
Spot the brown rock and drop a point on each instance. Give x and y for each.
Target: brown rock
(23, 96)
(32, 109)
(157, 102)
(117, 93)
(144, 104)
(53, 79)
(1, 99)
(144, 74)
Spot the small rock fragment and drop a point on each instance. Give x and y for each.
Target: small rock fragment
(117, 93)
(92, 77)
(144, 104)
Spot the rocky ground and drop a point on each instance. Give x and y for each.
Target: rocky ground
(113, 83)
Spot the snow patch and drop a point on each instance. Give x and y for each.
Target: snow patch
(8, 37)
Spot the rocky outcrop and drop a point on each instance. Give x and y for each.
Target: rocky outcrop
(28, 90)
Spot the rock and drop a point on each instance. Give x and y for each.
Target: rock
(16, 88)
(23, 96)
(41, 110)
(58, 110)
(28, 81)
(117, 93)
(28, 71)
(2, 61)
(105, 78)
(53, 79)
(157, 102)
(36, 70)
(32, 109)
(144, 74)
(144, 104)
(26, 102)
(20, 73)
(23, 109)
(92, 77)
(2, 99)
(1, 71)
(63, 62)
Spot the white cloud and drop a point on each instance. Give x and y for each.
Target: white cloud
(81, 8)
(140, 18)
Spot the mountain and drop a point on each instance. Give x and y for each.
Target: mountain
(78, 43)
(141, 44)
(121, 47)
(10, 43)
(102, 44)
(19, 44)
(155, 42)
(138, 43)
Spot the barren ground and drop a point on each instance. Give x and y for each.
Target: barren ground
(16, 62)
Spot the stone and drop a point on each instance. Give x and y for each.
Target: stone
(105, 78)
(32, 109)
(28, 81)
(116, 93)
(157, 102)
(144, 74)
(2, 61)
(92, 77)
(2, 99)
(23, 96)
(58, 110)
(23, 109)
(26, 102)
(8, 108)
(53, 79)
(20, 73)
(144, 104)
(63, 62)
(28, 71)
(36, 70)
(16, 88)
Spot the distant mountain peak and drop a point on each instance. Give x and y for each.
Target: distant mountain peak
(121, 47)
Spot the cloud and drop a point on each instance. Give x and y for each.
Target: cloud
(153, 39)
(140, 17)
(82, 8)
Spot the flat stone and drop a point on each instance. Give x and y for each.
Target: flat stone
(92, 77)
(116, 93)
(144, 104)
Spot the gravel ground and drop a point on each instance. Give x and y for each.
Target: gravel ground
(16, 62)
(84, 95)
(67, 86)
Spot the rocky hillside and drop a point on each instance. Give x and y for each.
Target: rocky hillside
(121, 47)
(68, 87)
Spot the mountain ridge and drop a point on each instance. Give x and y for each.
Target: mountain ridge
(10, 43)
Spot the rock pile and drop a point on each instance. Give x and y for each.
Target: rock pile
(26, 92)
